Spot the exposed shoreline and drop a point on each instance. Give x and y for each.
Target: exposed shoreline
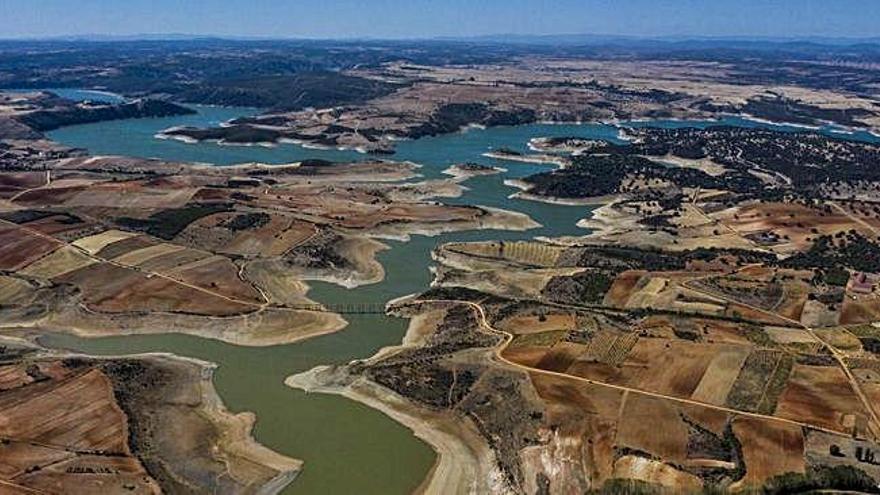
(541, 159)
(367, 269)
(237, 440)
(495, 219)
(281, 331)
(235, 443)
(525, 194)
(463, 465)
(457, 171)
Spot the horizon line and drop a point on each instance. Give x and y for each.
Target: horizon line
(99, 37)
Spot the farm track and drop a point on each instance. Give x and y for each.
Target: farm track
(508, 337)
(838, 356)
(258, 307)
(22, 193)
(854, 218)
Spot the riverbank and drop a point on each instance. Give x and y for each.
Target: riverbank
(540, 159)
(524, 193)
(490, 219)
(263, 328)
(464, 171)
(464, 462)
(162, 424)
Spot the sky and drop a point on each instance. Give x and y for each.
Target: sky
(441, 18)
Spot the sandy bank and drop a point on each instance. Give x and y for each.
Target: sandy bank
(525, 194)
(266, 327)
(236, 444)
(463, 173)
(703, 164)
(464, 464)
(493, 219)
(214, 451)
(572, 146)
(361, 253)
(532, 158)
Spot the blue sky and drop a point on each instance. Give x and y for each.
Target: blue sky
(430, 18)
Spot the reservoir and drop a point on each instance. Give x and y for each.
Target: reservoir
(347, 448)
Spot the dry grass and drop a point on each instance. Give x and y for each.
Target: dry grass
(820, 395)
(95, 243)
(63, 260)
(769, 448)
(720, 375)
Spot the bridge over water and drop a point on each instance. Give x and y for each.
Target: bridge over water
(344, 308)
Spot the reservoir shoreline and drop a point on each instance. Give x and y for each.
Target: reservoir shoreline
(346, 447)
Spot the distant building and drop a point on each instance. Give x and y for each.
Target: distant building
(862, 283)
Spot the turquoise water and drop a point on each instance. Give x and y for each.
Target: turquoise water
(135, 137)
(77, 94)
(347, 448)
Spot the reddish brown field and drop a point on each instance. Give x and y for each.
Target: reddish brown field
(18, 247)
(530, 324)
(860, 311)
(79, 413)
(792, 305)
(112, 289)
(525, 355)
(65, 434)
(49, 197)
(769, 448)
(274, 239)
(792, 220)
(712, 331)
(671, 367)
(560, 357)
(638, 428)
(714, 420)
(62, 226)
(220, 275)
(13, 183)
(133, 194)
(587, 415)
(622, 288)
(820, 395)
(277, 236)
(593, 370)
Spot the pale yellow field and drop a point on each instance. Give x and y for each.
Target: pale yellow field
(650, 471)
(97, 242)
(64, 260)
(143, 255)
(790, 335)
(12, 288)
(839, 338)
(720, 375)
